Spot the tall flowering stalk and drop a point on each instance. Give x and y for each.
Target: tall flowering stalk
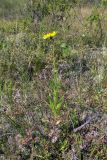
(55, 101)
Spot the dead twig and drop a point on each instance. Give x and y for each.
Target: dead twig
(87, 122)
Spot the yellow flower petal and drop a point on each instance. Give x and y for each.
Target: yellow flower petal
(50, 35)
(53, 34)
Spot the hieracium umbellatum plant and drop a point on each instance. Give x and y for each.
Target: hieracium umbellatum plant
(55, 101)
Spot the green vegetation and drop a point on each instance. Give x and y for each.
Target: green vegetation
(53, 82)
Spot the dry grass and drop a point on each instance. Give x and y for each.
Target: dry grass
(67, 71)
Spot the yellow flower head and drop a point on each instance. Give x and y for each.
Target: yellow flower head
(50, 35)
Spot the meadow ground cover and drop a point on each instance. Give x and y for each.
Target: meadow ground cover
(53, 80)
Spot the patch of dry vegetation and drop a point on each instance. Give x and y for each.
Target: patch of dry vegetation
(53, 91)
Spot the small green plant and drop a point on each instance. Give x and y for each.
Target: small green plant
(74, 118)
(55, 101)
